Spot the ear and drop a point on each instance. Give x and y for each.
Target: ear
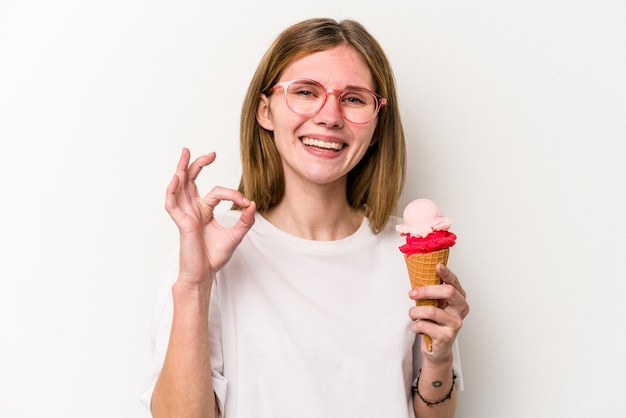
(263, 114)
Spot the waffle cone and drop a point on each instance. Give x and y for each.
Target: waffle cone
(421, 268)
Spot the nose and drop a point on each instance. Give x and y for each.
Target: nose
(330, 112)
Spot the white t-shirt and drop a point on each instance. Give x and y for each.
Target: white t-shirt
(303, 328)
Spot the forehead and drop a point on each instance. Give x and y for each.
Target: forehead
(338, 67)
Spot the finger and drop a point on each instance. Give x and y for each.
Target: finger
(246, 220)
(437, 291)
(436, 316)
(451, 299)
(449, 277)
(182, 176)
(439, 334)
(218, 194)
(183, 161)
(170, 193)
(199, 163)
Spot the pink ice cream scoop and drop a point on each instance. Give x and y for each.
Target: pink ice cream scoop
(421, 217)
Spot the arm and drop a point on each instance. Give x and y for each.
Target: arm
(443, 324)
(184, 387)
(434, 385)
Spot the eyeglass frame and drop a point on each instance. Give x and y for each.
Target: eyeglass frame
(380, 101)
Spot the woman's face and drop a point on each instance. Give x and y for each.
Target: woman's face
(320, 149)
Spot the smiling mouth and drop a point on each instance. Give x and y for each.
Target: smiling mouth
(334, 146)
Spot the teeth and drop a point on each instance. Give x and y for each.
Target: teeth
(322, 144)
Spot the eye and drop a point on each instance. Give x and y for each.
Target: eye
(356, 98)
(353, 100)
(305, 90)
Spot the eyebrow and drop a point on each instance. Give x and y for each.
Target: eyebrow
(353, 86)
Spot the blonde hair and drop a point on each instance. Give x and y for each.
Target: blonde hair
(376, 182)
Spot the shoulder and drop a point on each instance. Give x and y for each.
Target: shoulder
(389, 233)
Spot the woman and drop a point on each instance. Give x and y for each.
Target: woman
(294, 303)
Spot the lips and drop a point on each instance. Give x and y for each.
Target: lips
(328, 145)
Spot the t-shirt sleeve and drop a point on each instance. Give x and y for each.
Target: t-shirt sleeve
(161, 325)
(220, 384)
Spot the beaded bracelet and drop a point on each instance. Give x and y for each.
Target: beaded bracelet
(448, 396)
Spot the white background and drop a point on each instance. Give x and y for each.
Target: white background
(515, 113)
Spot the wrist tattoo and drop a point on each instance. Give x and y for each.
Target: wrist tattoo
(435, 383)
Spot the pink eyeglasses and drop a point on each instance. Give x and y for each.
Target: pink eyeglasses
(307, 97)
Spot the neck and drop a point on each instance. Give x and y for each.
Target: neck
(326, 217)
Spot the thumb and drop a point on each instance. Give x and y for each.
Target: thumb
(245, 221)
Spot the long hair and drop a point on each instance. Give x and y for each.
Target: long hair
(376, 182)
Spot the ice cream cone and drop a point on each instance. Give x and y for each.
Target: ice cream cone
(421, 268)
